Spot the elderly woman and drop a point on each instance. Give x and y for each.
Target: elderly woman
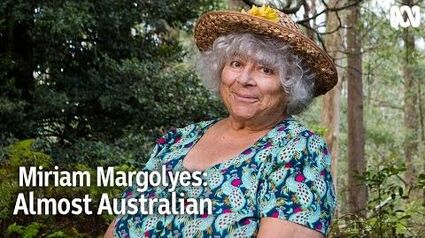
(267, 175)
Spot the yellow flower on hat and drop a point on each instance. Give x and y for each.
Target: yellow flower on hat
(265, 12)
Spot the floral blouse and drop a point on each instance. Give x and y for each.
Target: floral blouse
(285, 174)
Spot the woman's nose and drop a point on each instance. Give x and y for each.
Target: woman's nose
(246, 77)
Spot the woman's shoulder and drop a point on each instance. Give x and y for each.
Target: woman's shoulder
(291, 128)
(295, 128)
(300, 173)
(175, 139)
(302, 144)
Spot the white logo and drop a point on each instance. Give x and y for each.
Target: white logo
(413, 16)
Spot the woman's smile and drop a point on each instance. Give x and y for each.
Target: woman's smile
(245, 97)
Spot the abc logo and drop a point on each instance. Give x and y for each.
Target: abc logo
(412, 19)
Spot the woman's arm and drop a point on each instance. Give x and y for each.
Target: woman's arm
(110, 232)
(278, 228)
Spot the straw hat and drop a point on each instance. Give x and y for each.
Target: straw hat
(270, 22)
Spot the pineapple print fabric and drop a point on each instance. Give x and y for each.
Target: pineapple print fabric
(285, 174)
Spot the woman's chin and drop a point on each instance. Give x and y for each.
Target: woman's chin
(243, 114)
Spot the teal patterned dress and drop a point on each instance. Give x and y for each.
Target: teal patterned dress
(285, 174)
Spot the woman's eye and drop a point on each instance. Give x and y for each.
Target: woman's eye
(235, 64)
(267, 71)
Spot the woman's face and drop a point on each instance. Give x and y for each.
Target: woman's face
(250, 89)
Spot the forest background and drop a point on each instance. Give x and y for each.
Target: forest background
(94, 83)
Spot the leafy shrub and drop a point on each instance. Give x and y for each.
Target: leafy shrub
(390, 214)
(22, 153)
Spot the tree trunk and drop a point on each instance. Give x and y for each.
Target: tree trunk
(410, 101)
(22, 52)
(19, 47)
(421, 147)
(330, 102)
(357, 190)
(310, 10)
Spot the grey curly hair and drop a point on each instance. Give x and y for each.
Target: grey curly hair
(296, 79)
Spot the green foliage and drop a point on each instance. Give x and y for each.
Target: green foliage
(389, 214)
(93, 69)
(95, 83)
(19, 154)
(58, 234)
(23, 153)
(29, 231)
(319, 130)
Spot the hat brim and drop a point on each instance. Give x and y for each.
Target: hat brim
(212, 25)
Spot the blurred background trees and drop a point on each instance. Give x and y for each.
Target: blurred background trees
(93, 83)
(97, 71)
